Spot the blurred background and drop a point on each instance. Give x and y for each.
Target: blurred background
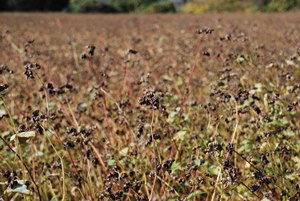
(150, 6)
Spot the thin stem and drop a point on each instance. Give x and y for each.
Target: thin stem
(168, 185)
(146, 188)
(9, 115)
(246, 160)
(190, 77)
(62, 166)
(231, 141)
(45, 92)
(23, 163)
(249, 189)
(18, 156)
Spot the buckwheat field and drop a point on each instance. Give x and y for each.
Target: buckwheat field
(149, 107)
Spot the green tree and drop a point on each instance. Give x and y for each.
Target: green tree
(125, 6)
(36, 5)
(91, 6)
(135, 5)
(282, 5)
(158, 7)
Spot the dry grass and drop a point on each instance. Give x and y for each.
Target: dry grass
(149, 107)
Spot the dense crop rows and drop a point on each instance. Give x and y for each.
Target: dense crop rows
(159, 107)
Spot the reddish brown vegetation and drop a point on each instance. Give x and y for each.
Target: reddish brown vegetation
(156, 107)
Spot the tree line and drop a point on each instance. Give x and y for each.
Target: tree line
(114, 6)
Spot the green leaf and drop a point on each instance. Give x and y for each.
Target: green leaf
(265, 199)
(297, 161)
(279, 123)
(51, 105)
(248, 145)
(54, 198)
(179, 82)
(289, 133)
(25, 135)
(110, 162)
(198, 162)
(124, 151)
(172, 116)
(167, 78)
(240, 59)
(179, 136)
(175, 166)
(213, 170)
(18, 187)
(194, 194)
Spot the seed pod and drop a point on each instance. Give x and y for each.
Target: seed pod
(3, 87)
(131, 51)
